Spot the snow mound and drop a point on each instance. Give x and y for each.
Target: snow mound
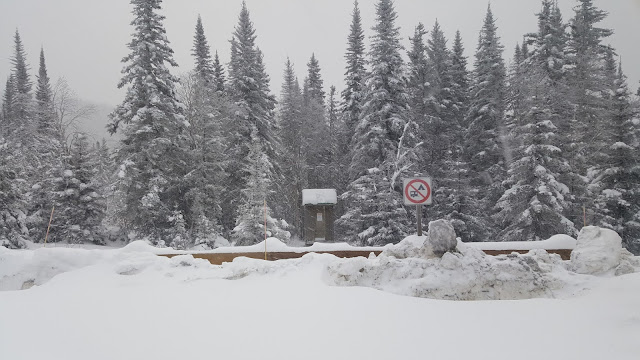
(412, 246)
(598, 251)
(468, 274)
(20, 269)
(553, 243)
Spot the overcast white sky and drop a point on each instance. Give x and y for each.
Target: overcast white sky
(85, 40)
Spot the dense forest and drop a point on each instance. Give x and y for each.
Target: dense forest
(519, 149)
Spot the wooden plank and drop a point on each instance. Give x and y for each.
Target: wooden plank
(219, 258)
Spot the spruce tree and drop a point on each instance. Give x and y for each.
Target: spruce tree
(294, 166)
(352, 95)
(378, 216)
(253, 211)
(315, 127)
(151, 121)
(218, 75)
(208, 112)
(80, 207)
(248, 87)
(419, 87)
(49, 150)
(44, 98)
(8, 99)
(460, 202)
(538, 197)
(13, 225)
(204, 68)
(484, 123)
(619, 197)
(22, 102)
(585, 58)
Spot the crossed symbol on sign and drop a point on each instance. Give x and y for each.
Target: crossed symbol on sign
(418, 194)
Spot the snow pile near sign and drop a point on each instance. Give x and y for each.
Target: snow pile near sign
(468, 274)
(413, 268)
(600, 251)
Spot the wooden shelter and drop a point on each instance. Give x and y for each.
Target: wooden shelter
(318, 214)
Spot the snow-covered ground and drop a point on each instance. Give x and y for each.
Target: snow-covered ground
(131, 304)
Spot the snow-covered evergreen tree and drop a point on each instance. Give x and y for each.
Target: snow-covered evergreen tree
(22, 105)
(538, 197)
(80, 208)
(419, 88)
(585, 57)
(151, 120)
(207, 111)
(219, 76)
(48, 153)
(251, 219)
(619, 197)
(294, 168)
(533, 206)
(201, 52)
(352, 95)
(484, 123)
(377, 215)
(248, 87)
(44, 98)
(13, 226)
(315, 134)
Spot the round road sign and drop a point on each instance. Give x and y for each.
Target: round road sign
(417, 191)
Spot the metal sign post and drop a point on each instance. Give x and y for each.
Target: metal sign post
(417, 191)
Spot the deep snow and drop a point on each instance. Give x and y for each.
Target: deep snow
(131, 304)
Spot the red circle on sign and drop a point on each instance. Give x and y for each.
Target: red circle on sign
(424, 197)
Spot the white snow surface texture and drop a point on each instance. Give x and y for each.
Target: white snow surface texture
(130, 303)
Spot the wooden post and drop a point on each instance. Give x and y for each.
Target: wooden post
(49, 227)
(419, 217)
(265, 229)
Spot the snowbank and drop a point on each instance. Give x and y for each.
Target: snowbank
(555, 242)
(468, 274)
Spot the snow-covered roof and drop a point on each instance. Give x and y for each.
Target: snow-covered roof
(319, 197)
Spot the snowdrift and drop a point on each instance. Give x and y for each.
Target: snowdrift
(430, 266)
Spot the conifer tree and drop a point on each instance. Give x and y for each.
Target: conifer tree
(619, 197)
(315, 134)
(8, 99)
(460, 202)
(248, 87)
(151, 120)
(250, 223)
(378, 214)
(80, 207)
(218, 75)
(13, 226)
(419, 87)
(44, 98)
(22, 102)
(207, 111)
(352, 95)
(484, 122)
(294, 166)
(48, 152)
(537, 199)
(204, 67)
(585, 58)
